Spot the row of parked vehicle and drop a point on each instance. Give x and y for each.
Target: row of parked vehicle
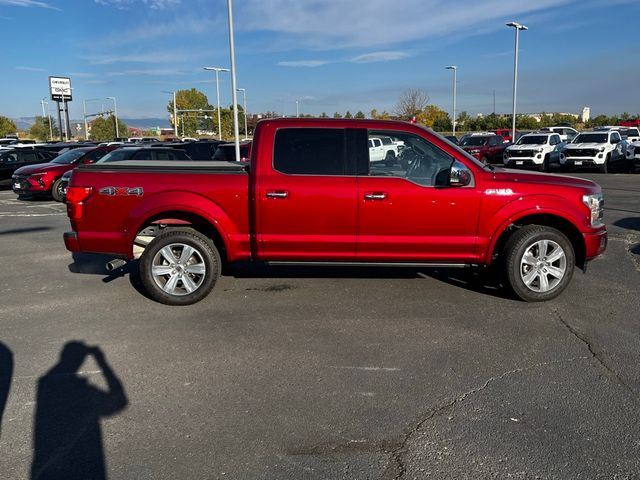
(45, 170)
(605, 148)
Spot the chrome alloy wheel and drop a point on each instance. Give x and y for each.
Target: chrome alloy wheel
(543, 266)
(178, 269)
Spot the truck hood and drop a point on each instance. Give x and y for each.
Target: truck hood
(585, 145)
(44, 168)
(505, 175)
(524, 147)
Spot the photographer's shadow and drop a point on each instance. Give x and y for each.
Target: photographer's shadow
(68, 435)
(6, 372)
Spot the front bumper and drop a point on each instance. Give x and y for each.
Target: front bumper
(26, 185)
(514, 162)
(595, 243)
(568, 161)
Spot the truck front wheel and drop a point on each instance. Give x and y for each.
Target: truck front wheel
(179, 267)
(539, 262)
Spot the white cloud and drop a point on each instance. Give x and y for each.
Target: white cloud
(146, 72)
(30, 69)
(28, 3)
(125, 4)
(177, 27)
(333, 24)
(146, 57)
(304, 63)
(379, 57)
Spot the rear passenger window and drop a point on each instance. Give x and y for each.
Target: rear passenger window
(143, 155)
(310, 151)
(30, 157)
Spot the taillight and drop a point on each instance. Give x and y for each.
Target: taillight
(75, 198)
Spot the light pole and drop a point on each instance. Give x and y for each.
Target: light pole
(232, 55)
(115, 114)
(517, 28)
(244, 103)
(175, 113)
(43, 103)
(218, 70)
(84, 112)
(297, 109)
(455, 73)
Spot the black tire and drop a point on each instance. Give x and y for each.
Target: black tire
(605, 166)
(525, 241)
(545, 164)
(56, 190)
(171, 288)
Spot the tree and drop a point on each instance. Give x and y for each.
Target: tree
(337, 115)
(103, 129)
(6, 126)
(348, 114)
(463, 119)
(384, 115)
(411, 103)
(40, 129)
(194, 100)
(324, 115)
(359, 114)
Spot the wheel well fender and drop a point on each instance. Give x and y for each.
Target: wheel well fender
(182, 209)
(553, 220)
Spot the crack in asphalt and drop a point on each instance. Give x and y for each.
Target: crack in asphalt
(396, 469)
(595, 355)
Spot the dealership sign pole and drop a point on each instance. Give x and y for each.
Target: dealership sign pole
(60, 89)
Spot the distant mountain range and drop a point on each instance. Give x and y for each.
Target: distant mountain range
(24, 123)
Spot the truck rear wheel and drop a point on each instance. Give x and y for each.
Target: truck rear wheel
(539, 262)
(179, 267)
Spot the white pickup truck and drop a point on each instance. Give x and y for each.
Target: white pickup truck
(534, 150)
(605, 150)
(384, 149)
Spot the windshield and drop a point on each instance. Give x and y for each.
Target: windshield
(69, 157)
(116, 155)
(532, 140)
(591, 138)
(474, 141)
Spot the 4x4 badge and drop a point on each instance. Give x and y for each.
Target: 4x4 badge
(121, 191)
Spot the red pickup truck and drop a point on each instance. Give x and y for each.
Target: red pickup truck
(311, 194)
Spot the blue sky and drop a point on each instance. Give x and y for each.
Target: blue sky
(332, 55)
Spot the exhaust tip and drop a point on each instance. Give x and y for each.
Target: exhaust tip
(115, 264)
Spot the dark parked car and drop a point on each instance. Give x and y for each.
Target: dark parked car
(452, 138)
(227, 152)
(11, 160)
(44, 178)
(145, 153)
(200, 150)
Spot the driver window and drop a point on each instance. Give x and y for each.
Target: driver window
(411, 157)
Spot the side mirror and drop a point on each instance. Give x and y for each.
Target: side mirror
(459, 176)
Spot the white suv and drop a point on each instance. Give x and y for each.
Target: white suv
(566, 133)
(603, 150)
(633, 156)
(534, 150)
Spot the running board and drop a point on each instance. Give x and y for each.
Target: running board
(372, 264)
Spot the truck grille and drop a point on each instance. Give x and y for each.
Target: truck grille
(521, 153)
(581, 152)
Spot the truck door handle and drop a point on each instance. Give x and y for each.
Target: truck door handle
(277, 194)
(375, 196)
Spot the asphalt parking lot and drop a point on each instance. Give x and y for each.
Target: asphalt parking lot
(318, 374)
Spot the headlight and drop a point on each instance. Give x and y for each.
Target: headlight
(602, 149)
(595, 204)
(540, 150)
